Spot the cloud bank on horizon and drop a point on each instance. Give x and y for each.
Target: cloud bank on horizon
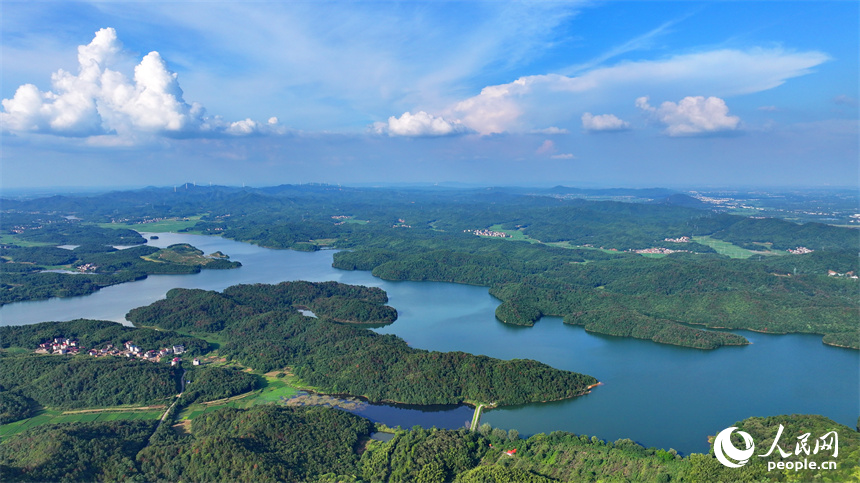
(299, 87)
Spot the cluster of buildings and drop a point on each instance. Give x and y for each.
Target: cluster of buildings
(401, 223)
(799, 251)
(659, 250)
(683, 239)
(59, 345)
(340, 217)
(497, 234)
(145, 220)
(833, 273)
(88, 267)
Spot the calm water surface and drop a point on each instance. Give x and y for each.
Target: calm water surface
(657, 395)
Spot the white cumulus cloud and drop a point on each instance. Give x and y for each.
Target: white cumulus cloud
(529, 100)
(603, 122)
(418, 124)
(246, 126)
(99, 101)
(692, 115)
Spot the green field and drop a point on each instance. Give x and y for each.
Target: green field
(157, 227)
(514, 235)
(723, 247)
(48, 416)
(14, 240)
(275, 389)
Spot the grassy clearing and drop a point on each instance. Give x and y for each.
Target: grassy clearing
(49, 416)
(324, 241)
(173, 225)
(514, 235)
(723, 247)
(14, 240)
(566, 244)
(358, 222)
(17, 350)
(272, 392)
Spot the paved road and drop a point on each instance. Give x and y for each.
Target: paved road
(176, 400)
(476, 418)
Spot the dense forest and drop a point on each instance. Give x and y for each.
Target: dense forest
(275, 443)
(76, 452)
(70, 382)
(264, 332)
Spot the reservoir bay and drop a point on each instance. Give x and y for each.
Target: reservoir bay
(657, 395)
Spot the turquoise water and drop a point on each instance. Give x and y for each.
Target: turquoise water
(657, 395)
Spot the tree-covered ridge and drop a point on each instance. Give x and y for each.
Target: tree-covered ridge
(94, 266)
(197, 310)
(784, 235)
(14, 406)
(630, 295)
(68, 232)
(265, 443)
(331, 300)
(88, 382)
(76, 452)
(264, 333)
(271, 443)
(211, 383)
(185, 254)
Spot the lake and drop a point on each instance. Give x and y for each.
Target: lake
(657, 395)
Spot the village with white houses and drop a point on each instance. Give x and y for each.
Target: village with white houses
(497, 234)
(64, 346)
(851, 274)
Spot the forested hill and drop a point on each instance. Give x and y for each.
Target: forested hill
(271, 443)
(264, 332)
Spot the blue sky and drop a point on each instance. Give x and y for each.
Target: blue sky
(678, 94)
